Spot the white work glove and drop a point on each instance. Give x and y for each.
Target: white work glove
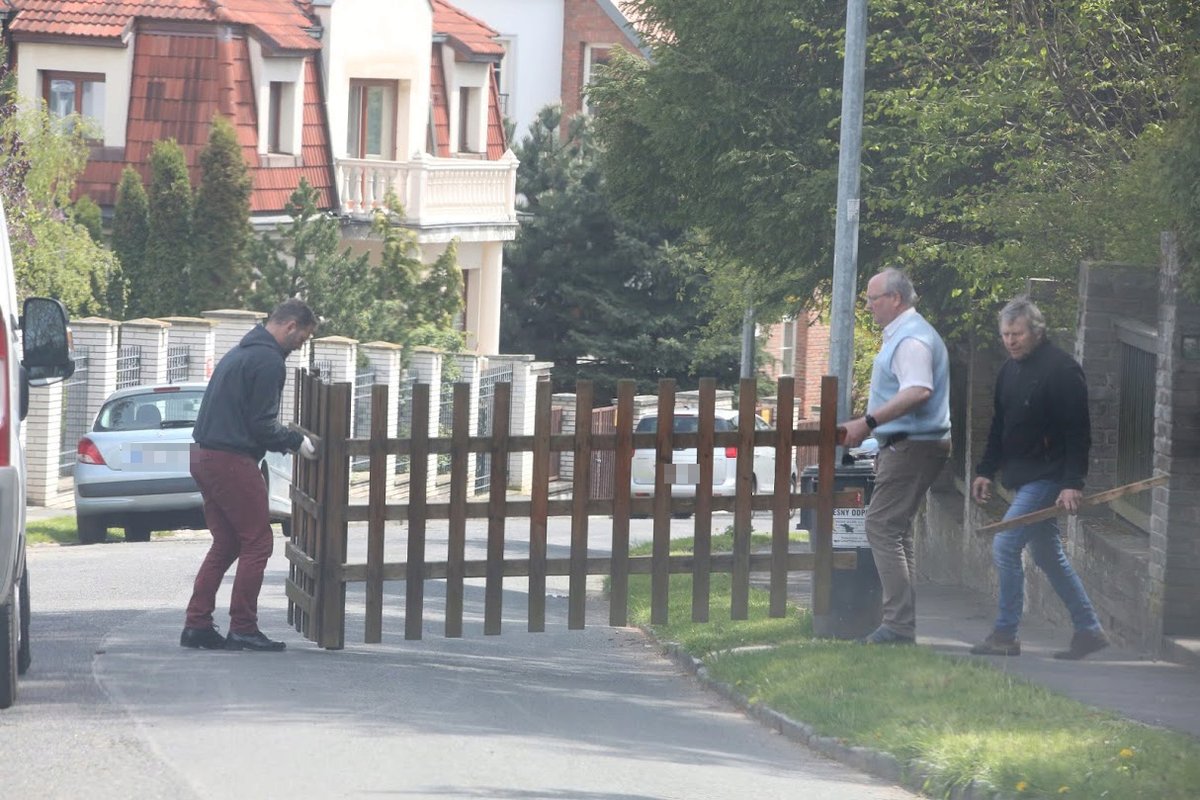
(308, 449)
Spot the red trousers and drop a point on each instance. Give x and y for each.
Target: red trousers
(235, 508)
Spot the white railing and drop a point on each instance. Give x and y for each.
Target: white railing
(433, 191)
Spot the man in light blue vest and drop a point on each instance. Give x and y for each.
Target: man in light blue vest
(909, 413)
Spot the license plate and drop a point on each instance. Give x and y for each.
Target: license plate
(164, 457)
(683, 474)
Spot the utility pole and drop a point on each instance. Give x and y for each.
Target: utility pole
(845, 248)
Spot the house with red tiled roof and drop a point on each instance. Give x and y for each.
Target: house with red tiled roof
(359, 97)
(552, 48)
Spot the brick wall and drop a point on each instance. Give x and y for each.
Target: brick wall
(812, 363)
(584, 23)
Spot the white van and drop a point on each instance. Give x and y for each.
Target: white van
(45, 358)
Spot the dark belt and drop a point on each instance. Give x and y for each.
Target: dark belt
(895, 438)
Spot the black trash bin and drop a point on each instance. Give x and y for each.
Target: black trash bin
(856, 595)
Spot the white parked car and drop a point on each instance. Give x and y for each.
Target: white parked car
(132, 469)
(724, 459)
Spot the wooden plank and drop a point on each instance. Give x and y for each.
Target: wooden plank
(459, 478)
(333, 534)
(301, 561)
(678, 564)
(539, 506)
(581, 488)
(493, 590)
(377, 523)
(418, 475)
(660, 577)
(780, 518)
(847, 498)
(702, 529)
(822, 538)
(1099, 498)
(618, 595)
(742, 522)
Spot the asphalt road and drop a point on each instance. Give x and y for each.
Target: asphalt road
(114, 708)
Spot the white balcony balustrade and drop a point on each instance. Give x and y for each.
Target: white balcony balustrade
(433, 191)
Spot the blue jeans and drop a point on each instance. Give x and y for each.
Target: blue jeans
(1044, 544)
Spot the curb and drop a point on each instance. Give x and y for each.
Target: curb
(914, 776)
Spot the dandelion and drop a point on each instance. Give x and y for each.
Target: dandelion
(1022, 786)
(1064, 790)
(1126, 752)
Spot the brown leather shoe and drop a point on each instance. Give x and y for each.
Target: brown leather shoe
(1083, 643)
(998, 643)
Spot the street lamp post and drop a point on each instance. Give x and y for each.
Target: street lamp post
(845, 248)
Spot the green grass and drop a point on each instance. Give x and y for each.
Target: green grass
(962, 717)
(53, 530)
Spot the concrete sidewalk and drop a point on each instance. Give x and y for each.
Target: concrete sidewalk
(951, 619)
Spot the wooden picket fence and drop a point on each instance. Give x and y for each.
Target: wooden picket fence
(322, 509)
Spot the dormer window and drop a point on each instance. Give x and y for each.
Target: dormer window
(470, 109)
(371, 120)
(81, 93)
(280, 116)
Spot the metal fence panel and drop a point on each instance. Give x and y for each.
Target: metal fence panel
(178, 359)
(364, 379)
(129, 366)
(76, 421)
(487, 394)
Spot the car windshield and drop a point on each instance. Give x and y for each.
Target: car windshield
(152, 410)
(684, 424)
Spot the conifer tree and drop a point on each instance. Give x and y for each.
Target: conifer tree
(221, 275)
(131, 227)
(167, 268)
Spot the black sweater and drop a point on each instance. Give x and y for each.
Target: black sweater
(1040, 429)
(240, 411)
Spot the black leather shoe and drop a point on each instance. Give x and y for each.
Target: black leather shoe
(252, 641)
(885, 635)
(201, 638)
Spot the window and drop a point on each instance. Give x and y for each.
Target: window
(280, 117)
(81, 93)
(469, 107)
(787, 350)
(595, 57)
(371, 120)
(503, 70)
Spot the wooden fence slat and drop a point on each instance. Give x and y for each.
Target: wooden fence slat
(660, 577)
(618, 600)
(332, 590)
(377, 523)
(702, 529)
(457, 547)
(822, 537)
(582, 485)
(418, 485)
(539, 506)
(493, 592)
(780, 521)
(742, 523)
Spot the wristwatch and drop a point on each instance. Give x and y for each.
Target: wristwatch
(872, 423)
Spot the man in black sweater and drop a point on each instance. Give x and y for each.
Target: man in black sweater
(237, 424)
(1039, 442)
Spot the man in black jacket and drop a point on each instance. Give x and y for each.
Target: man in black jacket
(237, 424)
(1039, 441)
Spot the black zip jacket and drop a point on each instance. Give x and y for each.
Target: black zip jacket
(240, 411)
(1040, 429)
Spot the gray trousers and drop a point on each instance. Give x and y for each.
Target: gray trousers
(903, 473)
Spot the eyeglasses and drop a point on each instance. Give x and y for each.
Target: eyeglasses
(871, 298)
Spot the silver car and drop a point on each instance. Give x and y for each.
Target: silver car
(686, 473)
(132, 469)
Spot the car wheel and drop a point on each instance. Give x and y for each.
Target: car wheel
(285, 525)
(137, 533)
(90, 529)
(24, 655)
(10, 631)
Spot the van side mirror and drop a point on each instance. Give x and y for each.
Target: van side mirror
(46, 342)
